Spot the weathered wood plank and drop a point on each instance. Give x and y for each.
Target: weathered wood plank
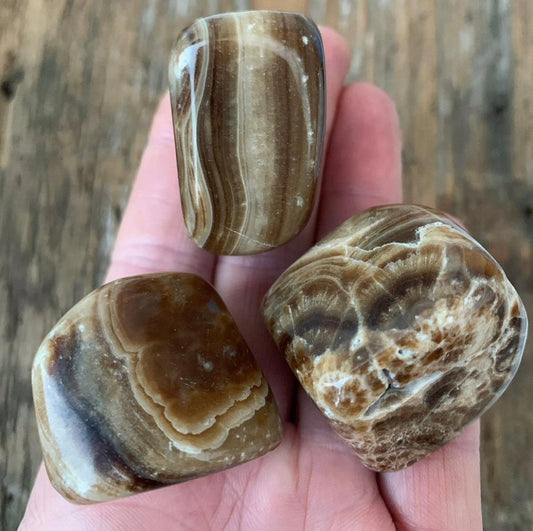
(507, 208)
(79, 82)
(522, 42)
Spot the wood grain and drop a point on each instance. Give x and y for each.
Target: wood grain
(79, 82)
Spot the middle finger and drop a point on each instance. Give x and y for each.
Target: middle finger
(243, 280)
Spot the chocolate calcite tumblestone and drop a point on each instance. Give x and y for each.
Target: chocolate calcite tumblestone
(147, 382)
(248, 104)
(401, 328)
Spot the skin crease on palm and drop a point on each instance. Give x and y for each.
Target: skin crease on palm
(312, 481)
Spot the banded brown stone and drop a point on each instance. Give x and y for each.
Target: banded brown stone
(147, 382)
(248, 103)
(432, 331)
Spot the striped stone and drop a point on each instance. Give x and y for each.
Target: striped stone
(248, 100)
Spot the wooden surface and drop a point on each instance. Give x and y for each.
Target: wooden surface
(79, 81)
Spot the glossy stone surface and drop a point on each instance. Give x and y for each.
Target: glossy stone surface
(147, 382)
(248, 100)
(401, 328)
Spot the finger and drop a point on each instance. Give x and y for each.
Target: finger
(152, 236)
(364, 165)
(363, 168)
(243, 280)
(440, 492)
(323, 444)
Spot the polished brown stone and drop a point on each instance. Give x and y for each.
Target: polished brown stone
(147, 382)
(248, 101)
(401, 328)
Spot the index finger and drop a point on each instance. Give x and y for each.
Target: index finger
(363, 169)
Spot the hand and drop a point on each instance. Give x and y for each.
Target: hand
(312, 481)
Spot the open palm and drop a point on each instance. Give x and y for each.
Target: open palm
(312, 481)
